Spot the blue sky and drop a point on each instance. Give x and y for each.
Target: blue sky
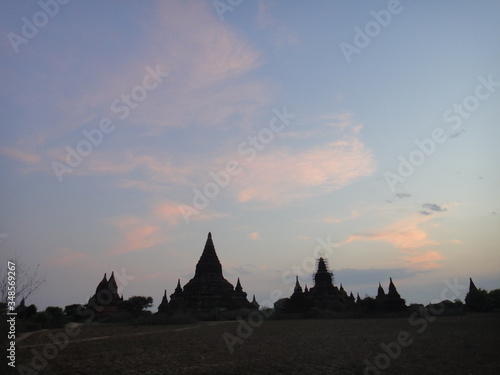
(116, 116)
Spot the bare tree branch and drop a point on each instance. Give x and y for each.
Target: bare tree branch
(28, 281)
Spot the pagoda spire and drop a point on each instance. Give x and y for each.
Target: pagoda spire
(102, 285)
(322, 265)
(178, 288)
(380, 290)
(238, 287)
(209, 261)
(472, 287)
(298, 288)
(112, 286)
(163, 306)
(254, 302)
(392, 288)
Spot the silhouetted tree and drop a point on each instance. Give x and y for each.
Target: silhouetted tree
(495, 298)
(73, 312)
(136, 304)
(55, 317)
(478, 300)
(27, 312)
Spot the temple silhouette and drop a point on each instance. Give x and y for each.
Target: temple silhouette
(208, 289)
(326, 296)
(106, 300)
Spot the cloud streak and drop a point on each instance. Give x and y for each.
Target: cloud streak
(284, 175)
(404, 234)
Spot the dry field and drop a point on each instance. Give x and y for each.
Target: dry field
(468, 344)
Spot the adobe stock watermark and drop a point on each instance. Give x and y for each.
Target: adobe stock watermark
(421, 319)
(255, 319)
(223, 6)
(32, 25)
(222, 178)
(363, 37)
(121, 106)
(60, 340)
(426, 147)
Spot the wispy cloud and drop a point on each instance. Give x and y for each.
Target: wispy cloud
(404, 234)
(209, 81)
(409, 236)
(434, 207)
(423, 260)
(403, 195)
(65, 257)
(280, 35)
(285, 175)
(136, 234)
(173, 213)
(26, 157)
(339, 120)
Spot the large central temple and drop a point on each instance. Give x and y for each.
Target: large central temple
(208, 289)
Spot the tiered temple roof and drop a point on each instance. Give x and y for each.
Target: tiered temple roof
(208, 289)
(106, 298)
(325, 295)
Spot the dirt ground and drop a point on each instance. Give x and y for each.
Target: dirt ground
(467, 344)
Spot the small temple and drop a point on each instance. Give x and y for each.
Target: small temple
(208, 289)
(105, 300)
(391, 301)
(326, 296)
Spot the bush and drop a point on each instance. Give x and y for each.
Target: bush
(495, 298)
(478, 300)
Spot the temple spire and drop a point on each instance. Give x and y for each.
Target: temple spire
(297, 288)
(238, 287)
(380, 290)
(209, 261)
(113, 287)
(103, 284)
(178, 288)
(255, 303)
(472, 287)
(392, 288)
(322, 265)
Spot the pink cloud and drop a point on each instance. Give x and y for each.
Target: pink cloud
(423, 260)
(404, 234)
(254, 236)
(23, 156)
(65, 257)
(137, 234)
(339, 120)
(410, 238)
(174, 213)
(283, 176)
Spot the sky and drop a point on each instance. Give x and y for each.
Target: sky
(365, 132)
